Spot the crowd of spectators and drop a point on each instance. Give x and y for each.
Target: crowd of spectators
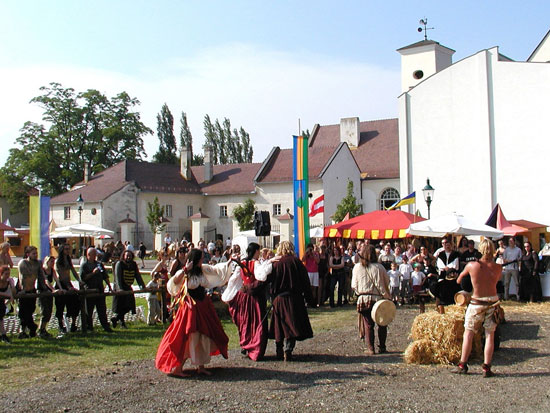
(415, 268)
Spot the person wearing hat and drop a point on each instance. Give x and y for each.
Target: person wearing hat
(371, 283)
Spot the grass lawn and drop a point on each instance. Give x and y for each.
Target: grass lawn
(36, 359)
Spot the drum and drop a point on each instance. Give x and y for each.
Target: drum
(383, 312)
(462, 298)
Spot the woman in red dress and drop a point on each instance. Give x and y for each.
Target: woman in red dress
(196, 332)
(246, 297)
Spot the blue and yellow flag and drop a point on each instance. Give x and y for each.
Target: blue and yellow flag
(409, 199)
(39, 219)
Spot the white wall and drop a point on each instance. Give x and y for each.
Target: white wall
(335, 181)
(522, 133)
(372, 190)
(57, 214)
(454, 120)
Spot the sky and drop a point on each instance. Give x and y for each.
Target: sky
(264, 65)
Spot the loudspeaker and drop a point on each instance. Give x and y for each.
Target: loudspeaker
(262, 223)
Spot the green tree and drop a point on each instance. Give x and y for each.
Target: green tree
(155, 213)
(186, 139)
(347, 205)
(244, 214)
(198, 160)
(167, 140)
(78, 127)
(228, 145)
(210, 138)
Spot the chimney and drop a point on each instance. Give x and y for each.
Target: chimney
(186, 155)
(208, 164)
(349, 131)
(86, 172)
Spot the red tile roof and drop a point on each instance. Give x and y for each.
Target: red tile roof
(228, 179)
(279, 168)
(99, 187)
(378, 152)
(152, 177)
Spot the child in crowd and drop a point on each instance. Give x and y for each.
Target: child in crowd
(5, 294)
(417, 279)
(153, 301)
(405, 269)
(395, 281)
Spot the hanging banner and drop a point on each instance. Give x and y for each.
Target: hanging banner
(39, 220)
(301, 195)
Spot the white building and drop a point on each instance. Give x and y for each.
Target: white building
(362, 152)
(477, 128)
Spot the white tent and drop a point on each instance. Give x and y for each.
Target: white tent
(242, 239)
(452, 224)
(316, 232)
(85, 230)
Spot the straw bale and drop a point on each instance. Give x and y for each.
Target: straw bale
(438, 338)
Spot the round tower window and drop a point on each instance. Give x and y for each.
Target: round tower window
(419, 74)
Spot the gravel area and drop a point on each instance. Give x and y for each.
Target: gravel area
(330, 373)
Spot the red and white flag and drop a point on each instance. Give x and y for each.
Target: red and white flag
(317, 206)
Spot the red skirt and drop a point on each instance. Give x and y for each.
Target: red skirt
(190, 318)
(248, 314)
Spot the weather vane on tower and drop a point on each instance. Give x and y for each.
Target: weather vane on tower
(424, 22)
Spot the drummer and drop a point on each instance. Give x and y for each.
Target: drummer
(371, 284)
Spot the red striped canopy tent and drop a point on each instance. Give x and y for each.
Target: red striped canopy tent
(374, 225)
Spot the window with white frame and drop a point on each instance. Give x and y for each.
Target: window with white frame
(276, 209)
(189, 210)
(223, 210)
(388, 197)
(67, 212)
(168, 210)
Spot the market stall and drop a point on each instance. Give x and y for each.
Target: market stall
(374, 225)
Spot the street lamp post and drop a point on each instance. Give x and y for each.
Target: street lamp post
(428, 192)
(80, 203)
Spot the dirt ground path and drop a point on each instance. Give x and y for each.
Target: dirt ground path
(330, 373)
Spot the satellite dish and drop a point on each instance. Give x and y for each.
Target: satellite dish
(420, 30)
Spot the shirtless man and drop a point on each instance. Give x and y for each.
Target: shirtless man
(484, 274)
(30, 271)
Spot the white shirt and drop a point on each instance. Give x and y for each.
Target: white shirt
(394, 278)
(418, 277)
(511, 254)
(406, 270)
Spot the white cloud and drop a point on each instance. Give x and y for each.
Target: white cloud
(263, 91)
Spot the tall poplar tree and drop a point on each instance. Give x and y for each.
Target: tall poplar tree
(228, 145)
(167, 152)
(186, 139)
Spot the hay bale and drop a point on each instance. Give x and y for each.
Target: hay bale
(438, 338)
(420, 352)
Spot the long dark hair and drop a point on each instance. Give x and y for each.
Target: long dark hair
(369, 255)
(195, 256)
(63, 260)
(251, 251)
